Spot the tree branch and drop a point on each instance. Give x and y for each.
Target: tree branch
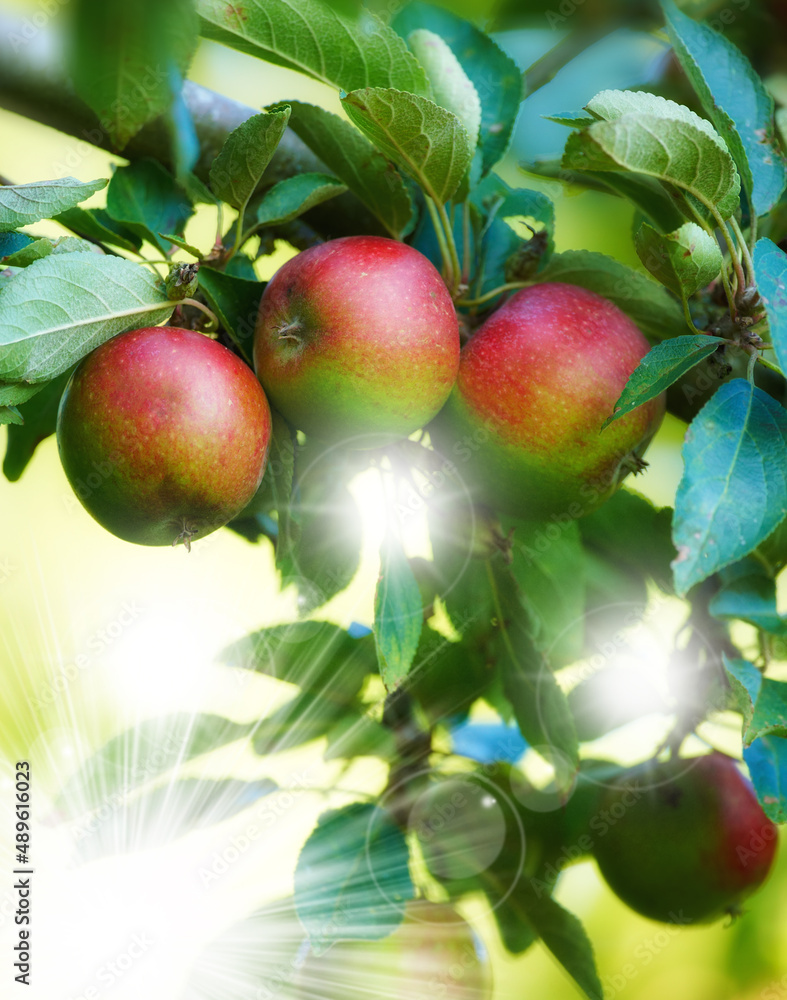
(34, 84)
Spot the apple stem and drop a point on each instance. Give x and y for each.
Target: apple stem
(285, 332)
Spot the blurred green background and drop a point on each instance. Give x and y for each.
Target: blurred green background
(96, 635)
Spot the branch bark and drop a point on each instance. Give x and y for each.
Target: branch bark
(34, 84)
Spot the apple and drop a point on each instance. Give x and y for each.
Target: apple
(357, 341)
(536, 382)
(684, 841)
(163, 435)
(433, 952)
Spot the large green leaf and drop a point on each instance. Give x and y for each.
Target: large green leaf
(676, 150)
(98, 226)
(549, 567)
(246, 152)
(352, 878)
(654, 310)
(356, 162)
(734, 487)
(748, 592)
(148, 200)
(737, 102)
(311, 36)
(62, 307)
(494, 75)
(398, 614)
(685, 260)
(429, 142)
(661, 366)
(22, 204)
(539, 704)
(451, 87)
(770, 269)
(316, 656)
(127, 59)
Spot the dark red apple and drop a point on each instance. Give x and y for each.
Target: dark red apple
(684, 841)
(536, 383)
(163, 434)
(357, 341)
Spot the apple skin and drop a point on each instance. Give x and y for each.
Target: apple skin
(688, 844)
(357, 341)
(433, 953)
(163, 434)
(536, 383)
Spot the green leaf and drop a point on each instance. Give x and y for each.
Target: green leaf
(242, 160)
(148, 200)
(11, 243)
(736, 101)
(327, 551)
(236, 302)
(539, 704)
(661, 366)
(398, 614)
(97, 225)
(293, 196)
(317, 656)
(360, 736)
(355, 161)
(352, 877)
(494, 75)
(770, 712)
(574, 119)
(766, 759)
(275, 489)
(632, 534)
(62, 307)
(161, 815)
(303, 719)
(563, 934)
(188, 247)
(733, 492)
(426, 140)
(10, 415)
(746, 683)
(44, 247)
(40, 416)
(15, 393)
(676, 150)
(151, 748)
(685, 260)
(451, 88)
(23, 204)
(550, 573)
(312, 37)
(122, 59)
(748, 592)
(654, 310)
(770, 269)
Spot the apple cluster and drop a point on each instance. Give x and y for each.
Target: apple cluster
(357, 342)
